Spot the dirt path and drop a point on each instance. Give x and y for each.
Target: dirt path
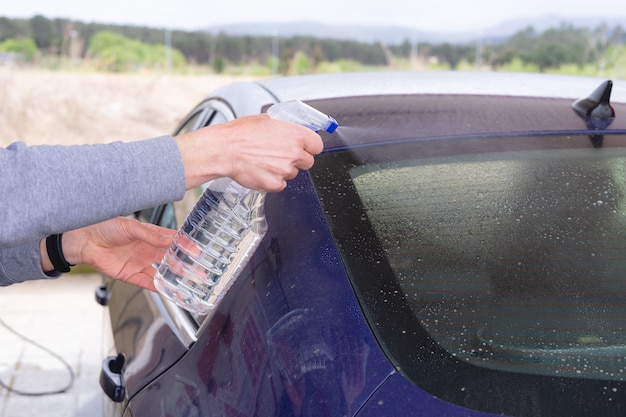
(44, 107)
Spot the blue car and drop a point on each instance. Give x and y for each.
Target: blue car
(459, 249)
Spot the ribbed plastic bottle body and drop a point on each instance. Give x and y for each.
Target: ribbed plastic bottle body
(223, 230)
(216, 240)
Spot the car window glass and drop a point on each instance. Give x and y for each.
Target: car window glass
(488, 266)
(476, 244)
(192, 122)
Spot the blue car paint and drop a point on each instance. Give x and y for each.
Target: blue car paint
(310, 310)
(139, 325)
(399, 397)
(282, 342)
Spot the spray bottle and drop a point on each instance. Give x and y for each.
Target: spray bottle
(223, 230)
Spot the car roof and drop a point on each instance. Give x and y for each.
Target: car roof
(482, 103)
(320, 86)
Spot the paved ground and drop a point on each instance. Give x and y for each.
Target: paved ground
(62, 316)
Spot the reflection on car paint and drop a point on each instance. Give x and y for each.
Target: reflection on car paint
(347, 310)
(302, 348)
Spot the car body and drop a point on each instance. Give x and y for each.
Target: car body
(457, 250)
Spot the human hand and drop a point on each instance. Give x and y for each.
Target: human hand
(256, 151)
(120, 248)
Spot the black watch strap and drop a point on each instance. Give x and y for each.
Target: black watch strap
(55, 253)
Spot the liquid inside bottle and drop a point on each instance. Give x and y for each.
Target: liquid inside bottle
(223, 230)
(214, 243)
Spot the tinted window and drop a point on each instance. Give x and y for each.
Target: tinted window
(493, 273)
(192, 122)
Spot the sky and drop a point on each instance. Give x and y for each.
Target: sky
(432, 15)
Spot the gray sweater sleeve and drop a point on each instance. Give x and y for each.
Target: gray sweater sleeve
(53, 189)
(21, 263)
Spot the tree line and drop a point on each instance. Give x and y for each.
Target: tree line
(122, 48)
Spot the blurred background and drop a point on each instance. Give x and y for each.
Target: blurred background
(277, 37)
(74, 71)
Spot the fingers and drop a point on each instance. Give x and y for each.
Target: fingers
(293, 174)
(143, 279)
(290, 148)
(151, 234)
(313, 145)
(268, 182)
(305, 162)
(159, 236)
(250, 150)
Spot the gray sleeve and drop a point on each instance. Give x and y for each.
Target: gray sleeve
(21, 263)
(53, 189)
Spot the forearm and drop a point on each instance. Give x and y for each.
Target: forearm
(52, 189)
(22, 263)
(120, 248)
(46, 263)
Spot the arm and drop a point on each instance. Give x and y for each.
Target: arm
(21, 263)
(256, 151)
(52, 189)
(120, 248)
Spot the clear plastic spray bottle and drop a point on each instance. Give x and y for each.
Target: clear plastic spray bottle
(223, 230)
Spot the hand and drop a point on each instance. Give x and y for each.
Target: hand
(256, 151)
(120, 248)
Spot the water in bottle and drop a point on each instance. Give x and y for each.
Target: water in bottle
(223, 230)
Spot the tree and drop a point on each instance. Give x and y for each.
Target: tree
(300, 64)
(24, 48)
(551, 49)
(43, 32)
(614, 62)
(116, 52)
(286, 56)
(452, 54)
(219, 65)
(196, 46)
(602, 44)
(14, 28)
(556, 47)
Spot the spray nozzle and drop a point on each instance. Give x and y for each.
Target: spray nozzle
(298, 112)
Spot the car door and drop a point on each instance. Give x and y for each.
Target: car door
(146, 333)
(276, 345)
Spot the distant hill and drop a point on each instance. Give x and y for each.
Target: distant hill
(398, 34)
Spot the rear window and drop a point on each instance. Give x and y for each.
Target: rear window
(492, 270)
